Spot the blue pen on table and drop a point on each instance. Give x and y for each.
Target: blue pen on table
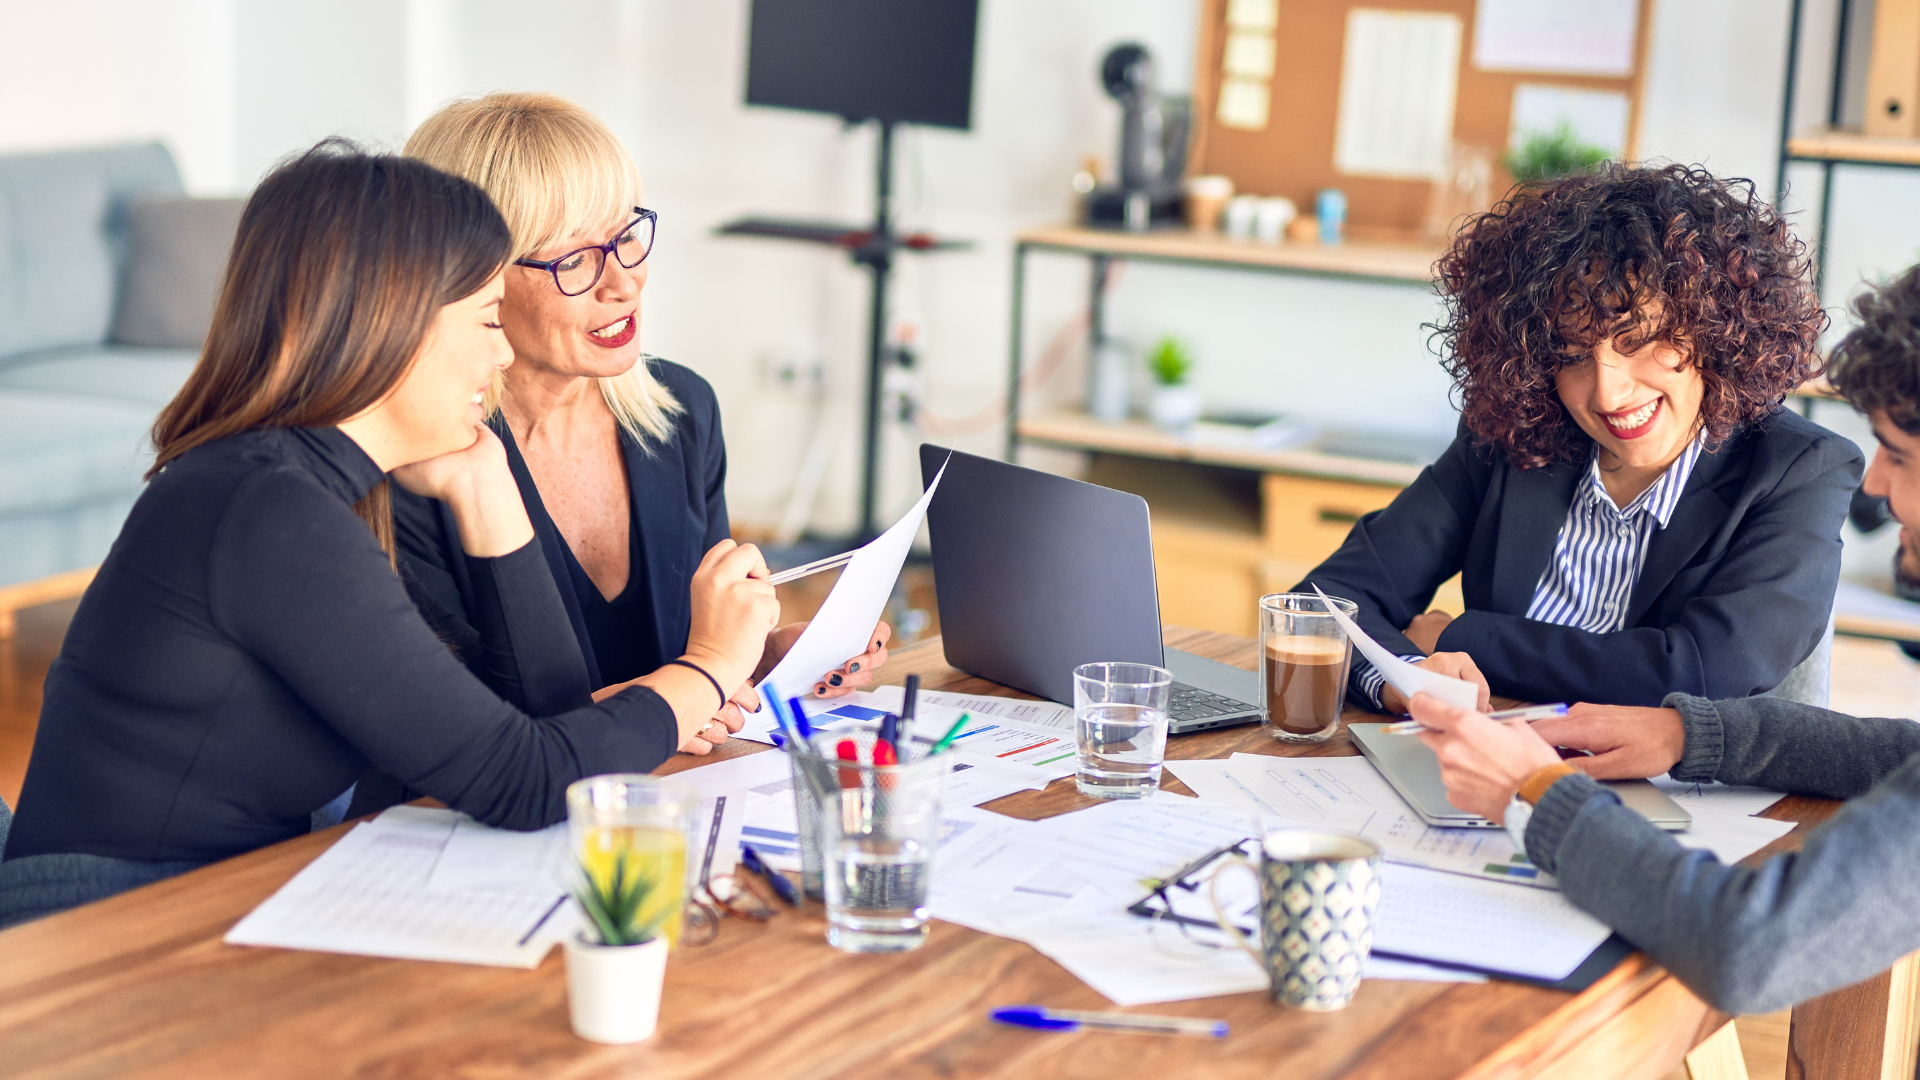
(782, 888)
(1044, 1019)
(1506, 716)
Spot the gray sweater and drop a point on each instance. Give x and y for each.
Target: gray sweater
(1844, 907)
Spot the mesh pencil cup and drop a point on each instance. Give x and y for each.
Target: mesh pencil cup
(874, 829)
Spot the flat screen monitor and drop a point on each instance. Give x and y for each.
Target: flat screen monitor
(909, 61)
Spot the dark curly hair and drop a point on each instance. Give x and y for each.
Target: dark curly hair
(1877, 365)
(1636, 254)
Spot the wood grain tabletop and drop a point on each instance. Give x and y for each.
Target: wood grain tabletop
(141, 985)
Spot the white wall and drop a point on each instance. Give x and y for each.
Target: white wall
(233, 85)
(74, 74)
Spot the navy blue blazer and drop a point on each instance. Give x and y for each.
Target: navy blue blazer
(1735, 591)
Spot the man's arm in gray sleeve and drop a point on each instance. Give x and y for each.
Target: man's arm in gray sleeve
(1786, 746)
(1746, 940)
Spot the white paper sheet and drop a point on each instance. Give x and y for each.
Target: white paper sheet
(1350, 794)
(1567, 37)
(370, 895)
(1402, 676)
(1718, 798)
(1596, 117)
(1450, 918)
(839, 631)
(1399, 74)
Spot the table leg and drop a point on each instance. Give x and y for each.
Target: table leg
(1719, 1057)
(1867, 1031)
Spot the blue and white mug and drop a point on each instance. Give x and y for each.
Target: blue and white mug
(1319, 892)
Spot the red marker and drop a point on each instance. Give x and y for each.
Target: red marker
(850, 811)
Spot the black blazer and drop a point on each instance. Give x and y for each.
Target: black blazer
(677, 488)
(1735, 590)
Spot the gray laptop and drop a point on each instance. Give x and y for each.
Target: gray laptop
(1415, 773)
(1037, 574)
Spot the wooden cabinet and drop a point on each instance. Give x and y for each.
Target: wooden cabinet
(1224, 534)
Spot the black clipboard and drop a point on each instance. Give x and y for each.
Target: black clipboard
(1156, 905)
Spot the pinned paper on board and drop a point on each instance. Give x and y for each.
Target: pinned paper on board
(1402, 676)
(1562, 37)
(1399, 75)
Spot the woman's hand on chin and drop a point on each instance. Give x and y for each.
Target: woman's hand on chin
(477, 486)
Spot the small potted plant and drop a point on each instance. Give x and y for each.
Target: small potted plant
(1173, 404)
(615, 968)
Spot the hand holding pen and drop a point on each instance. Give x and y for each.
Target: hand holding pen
(1505, 716)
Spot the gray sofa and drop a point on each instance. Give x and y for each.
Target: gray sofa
(76, 398)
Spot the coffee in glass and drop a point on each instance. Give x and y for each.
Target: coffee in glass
(1304, 658)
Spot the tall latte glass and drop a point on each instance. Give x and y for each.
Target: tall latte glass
(1304, 656)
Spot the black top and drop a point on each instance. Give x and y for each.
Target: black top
(246, 651)
(676, 488)
(1735, 590)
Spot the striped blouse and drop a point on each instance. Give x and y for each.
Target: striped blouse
(1596, 558)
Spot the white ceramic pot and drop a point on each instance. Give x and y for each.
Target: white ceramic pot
(1174, 408)
(614, 990)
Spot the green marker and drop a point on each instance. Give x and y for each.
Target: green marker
(952, 733)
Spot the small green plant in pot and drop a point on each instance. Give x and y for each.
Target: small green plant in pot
(1543, 156)
(1174, 405)
(616, 966)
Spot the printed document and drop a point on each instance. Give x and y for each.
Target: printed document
(372, 894)
(839, 631)
(1404, 677)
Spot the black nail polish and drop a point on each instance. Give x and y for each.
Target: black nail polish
(833, 680)
(855, 666)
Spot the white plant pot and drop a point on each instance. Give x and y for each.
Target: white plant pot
(1174, 408)
(614, 990)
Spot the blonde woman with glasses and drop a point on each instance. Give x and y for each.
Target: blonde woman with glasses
(619, 455)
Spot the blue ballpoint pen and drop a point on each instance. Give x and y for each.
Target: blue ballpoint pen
(800, 719)
(781, 886)
(1043, 1019)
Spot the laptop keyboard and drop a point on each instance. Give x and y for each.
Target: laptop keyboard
(1192, 703)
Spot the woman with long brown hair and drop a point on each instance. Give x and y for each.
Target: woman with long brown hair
(247, 650)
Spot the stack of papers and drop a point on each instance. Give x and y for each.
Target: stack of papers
(1349, 793)
(1063, 886)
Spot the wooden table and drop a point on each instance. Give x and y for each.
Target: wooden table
(142, 986)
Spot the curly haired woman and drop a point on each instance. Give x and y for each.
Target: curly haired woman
(1630, 509)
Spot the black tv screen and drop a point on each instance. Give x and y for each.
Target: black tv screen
(909, 61)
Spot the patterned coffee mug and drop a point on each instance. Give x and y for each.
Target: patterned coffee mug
(1319, 890)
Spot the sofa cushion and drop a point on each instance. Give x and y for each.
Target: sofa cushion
(121, 372)
(62, 230)
(176, 253)
(59, 450)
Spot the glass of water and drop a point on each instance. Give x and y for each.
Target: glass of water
(1120, 723)
(877, 827)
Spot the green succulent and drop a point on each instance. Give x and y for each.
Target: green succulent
(1551, 156)
(1170, 363)
(622, 906)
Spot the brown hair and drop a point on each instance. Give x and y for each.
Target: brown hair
(1877, 365)
(341, 262)
(1636, 254)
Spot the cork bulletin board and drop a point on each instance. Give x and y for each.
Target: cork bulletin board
(1293, 152)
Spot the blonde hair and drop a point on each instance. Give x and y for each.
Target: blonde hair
(554, 170)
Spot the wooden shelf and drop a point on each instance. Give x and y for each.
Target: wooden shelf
(1829, 144)
(1080, 432)
(1381, 260)
(1818, 388)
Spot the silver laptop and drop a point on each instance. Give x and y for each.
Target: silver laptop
(1415, 773)
(1037, 574)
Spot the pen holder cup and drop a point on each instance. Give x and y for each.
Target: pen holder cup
(1319, 892)
(867, 837)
